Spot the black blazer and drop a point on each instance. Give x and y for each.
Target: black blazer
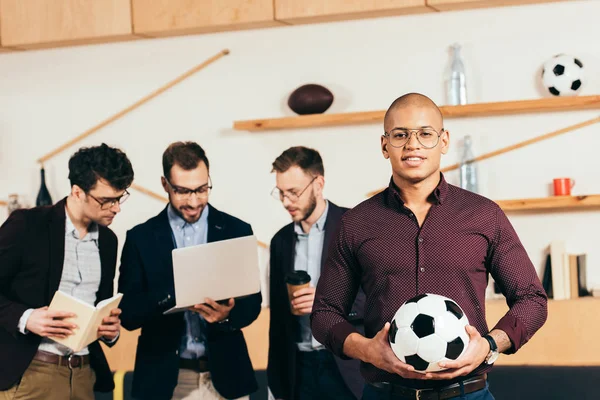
(281, 369)
(146, 281)
(32, 252)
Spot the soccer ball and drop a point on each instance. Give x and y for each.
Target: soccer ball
(428, 329)
(563, 75)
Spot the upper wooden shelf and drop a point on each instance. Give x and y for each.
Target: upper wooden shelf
(551, 203)
(469, 110)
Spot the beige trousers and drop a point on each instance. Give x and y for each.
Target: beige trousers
(196, 386)
(43, 381)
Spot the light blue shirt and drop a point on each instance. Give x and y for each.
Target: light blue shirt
(186, 234)
(309, 251)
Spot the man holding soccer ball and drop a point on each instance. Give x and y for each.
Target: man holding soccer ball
(423, 235)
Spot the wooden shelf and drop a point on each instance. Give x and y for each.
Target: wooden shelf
(551, 203)
(470, 110)
(569, 331)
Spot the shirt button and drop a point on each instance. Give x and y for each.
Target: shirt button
(420, 240)
(422, 269)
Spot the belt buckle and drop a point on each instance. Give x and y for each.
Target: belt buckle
(69, 359)
(418, 394)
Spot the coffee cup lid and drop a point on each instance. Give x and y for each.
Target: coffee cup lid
(297, 277)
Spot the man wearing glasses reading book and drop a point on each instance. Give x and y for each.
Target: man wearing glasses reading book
(67, 247)
(200, 353)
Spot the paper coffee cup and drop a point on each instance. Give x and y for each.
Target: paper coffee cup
(295, 281)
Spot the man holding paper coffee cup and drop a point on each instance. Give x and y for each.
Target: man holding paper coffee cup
(200, 352)
(300, 367)
(66, 249)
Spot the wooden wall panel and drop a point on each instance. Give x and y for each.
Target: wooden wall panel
(568, 338)
(308, 11)
(44, 23)
(180, 17)
(450, 5)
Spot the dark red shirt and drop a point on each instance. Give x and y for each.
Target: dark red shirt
(381, 247)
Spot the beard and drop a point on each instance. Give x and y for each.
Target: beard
(308, 210)
(189, 219)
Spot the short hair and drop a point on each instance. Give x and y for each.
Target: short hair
(309, 160)
(185, 154)
(90, 164)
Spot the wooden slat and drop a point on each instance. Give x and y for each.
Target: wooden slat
(553, 104)
(551, 203)
(515, 146)
(311, 11)
(132, 107)
(43, 23)
(155, 18)
(3, 203)
(527, 142)
(452, 5)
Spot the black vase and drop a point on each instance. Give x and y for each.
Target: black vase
(43, 197)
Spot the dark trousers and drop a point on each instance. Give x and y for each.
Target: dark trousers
(318, 377)
(372, 393)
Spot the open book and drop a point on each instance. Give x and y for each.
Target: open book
(88, 318)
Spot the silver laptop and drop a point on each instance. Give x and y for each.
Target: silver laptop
(219, 270)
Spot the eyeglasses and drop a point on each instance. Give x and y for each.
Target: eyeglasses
(427, 137)
(185, 193)
(110, 203)
(278, 194)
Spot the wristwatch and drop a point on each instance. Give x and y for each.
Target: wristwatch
(493, 354)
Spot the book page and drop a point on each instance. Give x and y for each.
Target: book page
(84, 314)
(557, 256)
(103, 310)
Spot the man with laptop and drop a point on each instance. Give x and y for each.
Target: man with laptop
(199, 353)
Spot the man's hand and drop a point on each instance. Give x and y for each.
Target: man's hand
(380, 354)
(50, 323)
(303, 300)
(212, 311)
(475, 354)
(111, 325)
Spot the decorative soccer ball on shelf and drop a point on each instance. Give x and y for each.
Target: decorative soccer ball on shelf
(428, 329)
(563, 75)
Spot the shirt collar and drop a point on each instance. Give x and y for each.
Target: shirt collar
(319, 225)
(437, 196)
(176, 221)
(71, 230)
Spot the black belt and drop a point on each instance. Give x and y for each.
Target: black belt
(445, 392)
(197, 365)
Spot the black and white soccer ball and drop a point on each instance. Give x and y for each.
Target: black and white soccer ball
(428, 329)
(563, 75)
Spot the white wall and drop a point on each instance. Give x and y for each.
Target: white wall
(50, 96)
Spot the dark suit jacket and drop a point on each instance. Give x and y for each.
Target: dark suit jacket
(146, 281)
(32, 250)
(281, 370)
